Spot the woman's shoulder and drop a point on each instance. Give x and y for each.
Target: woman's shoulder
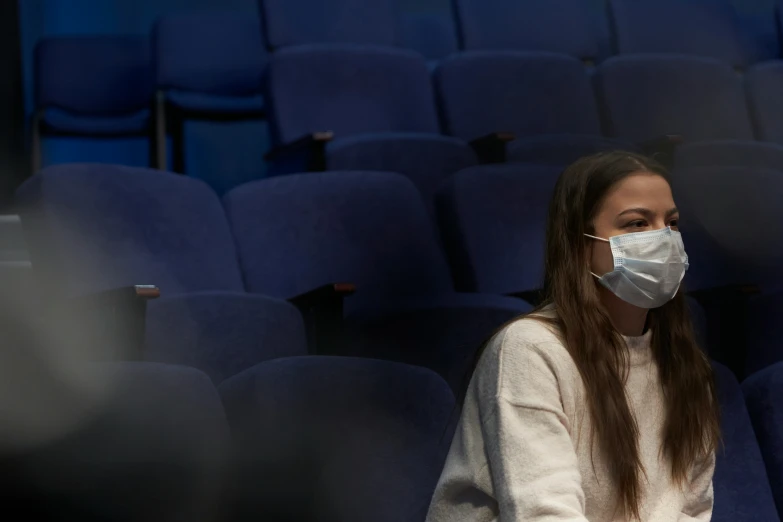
(524, 352)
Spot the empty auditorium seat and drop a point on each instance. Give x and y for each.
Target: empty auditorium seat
(95, 86)
(762, 394)
(741, 483)
(297, 22)
(431, 34)
(700, 99)
(560, 26)
(764, 83)
(694, 27)
(377, 103)
(300, 232)
(493, 221)
(209, 66)
(93, 228)
(121, 441)
(730, 264)
(332, 438)
(544, 99)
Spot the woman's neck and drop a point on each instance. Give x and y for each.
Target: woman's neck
(627, 319)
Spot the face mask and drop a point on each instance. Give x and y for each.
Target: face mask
(648, 267)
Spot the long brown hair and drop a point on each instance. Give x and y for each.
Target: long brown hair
(692, 427)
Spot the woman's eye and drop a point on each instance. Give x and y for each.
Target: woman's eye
(636, 224)
(673, 223)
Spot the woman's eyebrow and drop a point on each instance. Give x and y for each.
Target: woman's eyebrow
(638, 210)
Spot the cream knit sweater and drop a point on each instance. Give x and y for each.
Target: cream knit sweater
(521, 451)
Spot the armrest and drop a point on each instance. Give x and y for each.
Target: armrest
(311, 149)
(662, 148)
(322, 309)
(492, 147)
(113, 321)
(534, 297)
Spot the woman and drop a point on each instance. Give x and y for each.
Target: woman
(598, 406)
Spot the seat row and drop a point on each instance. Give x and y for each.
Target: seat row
(299, 438)
(292, 250)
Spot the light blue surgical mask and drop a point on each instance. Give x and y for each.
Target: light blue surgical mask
(648, 266)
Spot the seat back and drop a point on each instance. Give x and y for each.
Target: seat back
(524, 93)
(299, 232)
(214, 52)
(432, 34)
(493, 220)
(93, 75)
(762, 394)
(332, 438)
(94, 227)
(764, 83)
(560, 26)
(719, 205)
(651, 95)
(348, 90)
(742, 489)
(297, 22)
(695, 27)
(125, 442)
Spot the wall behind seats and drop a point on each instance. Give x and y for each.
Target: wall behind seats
(222, 154)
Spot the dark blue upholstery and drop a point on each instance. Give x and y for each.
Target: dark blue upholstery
(222, 333)
(649, 95)
(737, 153)
(764, 331)
(561, 26)
(103, 84)
(494, 220)
(298, 232)
(100, 227)
(348, 90)
(338, 439)
(297, 22)
(210, 60)
(704, 28)
(94, 227)
(762, 394)
(742, 491)
(426, 159)
(134, 441)
(524, 93)
(764, 83)
(545, 99)
(432, 34)
(719, 206)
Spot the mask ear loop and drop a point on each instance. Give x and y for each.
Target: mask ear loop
(599, 239)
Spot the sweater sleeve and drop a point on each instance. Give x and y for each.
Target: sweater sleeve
(532, 460)
(699, 497)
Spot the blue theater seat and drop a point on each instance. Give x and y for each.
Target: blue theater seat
(544, 99)
(741, 483)
(209, 66)
(298, 22)
(734, 272)
(333, 438)
(762, 394)
(559, 26)
(126, 441)
(693, 27)
(94, 228)
(376, 103)
(493, 219)
(300, 232)
(93, 86)
(701, 99)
